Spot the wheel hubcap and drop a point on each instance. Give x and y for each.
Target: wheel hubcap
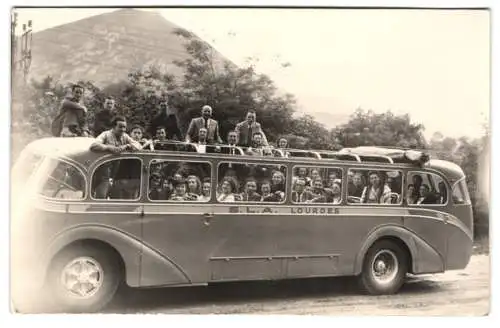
(82, 277)
(385, 266)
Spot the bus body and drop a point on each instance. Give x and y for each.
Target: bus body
(152, 243)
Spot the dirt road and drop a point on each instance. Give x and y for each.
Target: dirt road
(463, 292)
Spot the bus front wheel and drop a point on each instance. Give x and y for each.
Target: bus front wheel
(84, 279)
(384, 268)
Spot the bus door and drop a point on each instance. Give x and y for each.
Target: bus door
(247, 222)
(176, 231)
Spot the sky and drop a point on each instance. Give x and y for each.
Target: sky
(431, 64)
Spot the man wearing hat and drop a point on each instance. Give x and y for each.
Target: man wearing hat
(204, 121)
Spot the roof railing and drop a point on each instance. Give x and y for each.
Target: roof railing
(357, 154)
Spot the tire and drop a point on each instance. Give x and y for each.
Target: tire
(97, 288)
(392, 269)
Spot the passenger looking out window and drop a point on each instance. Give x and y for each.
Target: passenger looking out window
(250, 193)
(426, 196)
(206, 189)
(227, 189)
(376, 191)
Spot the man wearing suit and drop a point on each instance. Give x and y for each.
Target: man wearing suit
(248, 128)
(167, 119)
(204, 121)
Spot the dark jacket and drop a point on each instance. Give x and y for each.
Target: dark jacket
(171, 126)
(102, 121)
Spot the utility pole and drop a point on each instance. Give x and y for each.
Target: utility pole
(13, 41)
(26, 41)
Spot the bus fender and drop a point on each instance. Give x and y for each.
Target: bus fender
(131, 250)
(425, 259)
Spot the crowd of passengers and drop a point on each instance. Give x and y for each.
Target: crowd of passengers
(308, 186)
(249, 183)
(112, 133)
(267, 183)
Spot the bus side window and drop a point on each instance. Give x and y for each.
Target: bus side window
(461, 193)
(64, 182)
(251, 183)
(318, 185)
(424, 188)
(365, 186)
(118, 179)
(178, 181)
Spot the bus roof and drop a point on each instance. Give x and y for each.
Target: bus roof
(78, 149)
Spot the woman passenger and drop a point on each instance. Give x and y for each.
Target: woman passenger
(376, 191)
(315, 175)
(227, 190)
(410, 195)
(356, 186)
(283, 145)
(180, 190)
(206, 188)
(278, 184)
(194, 186)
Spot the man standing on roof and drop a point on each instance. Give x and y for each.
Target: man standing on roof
(204, 121)
(247, 129)
(102, 119)
(72, 118)
(167, 118)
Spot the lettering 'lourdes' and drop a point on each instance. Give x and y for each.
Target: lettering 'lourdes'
(208, 173)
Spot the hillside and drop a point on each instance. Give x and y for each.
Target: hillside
(105, 48)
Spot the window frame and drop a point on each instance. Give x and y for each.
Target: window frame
(46, 178)
(148, 175)
(427, 173)
(461, 183)
(107, 160)
(368, 169)
(252, 202)
(342, 187)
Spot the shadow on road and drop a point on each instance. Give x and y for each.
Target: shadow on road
(138, 300)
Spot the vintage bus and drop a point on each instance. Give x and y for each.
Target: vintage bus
(84, 222)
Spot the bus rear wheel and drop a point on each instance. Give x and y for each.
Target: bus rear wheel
(384, 268)
(84, 279)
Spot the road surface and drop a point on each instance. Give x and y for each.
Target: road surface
(465, 292)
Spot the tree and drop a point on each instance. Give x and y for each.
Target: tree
(386, 129)
(230, 90)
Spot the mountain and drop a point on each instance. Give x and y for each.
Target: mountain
(105, 48)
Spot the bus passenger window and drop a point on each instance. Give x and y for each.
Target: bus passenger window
(317, 185)
(374, 186)
(251, 183)
(460, 193)
(65, 182)
(425, 188)
(118, 179)
(178, 181)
